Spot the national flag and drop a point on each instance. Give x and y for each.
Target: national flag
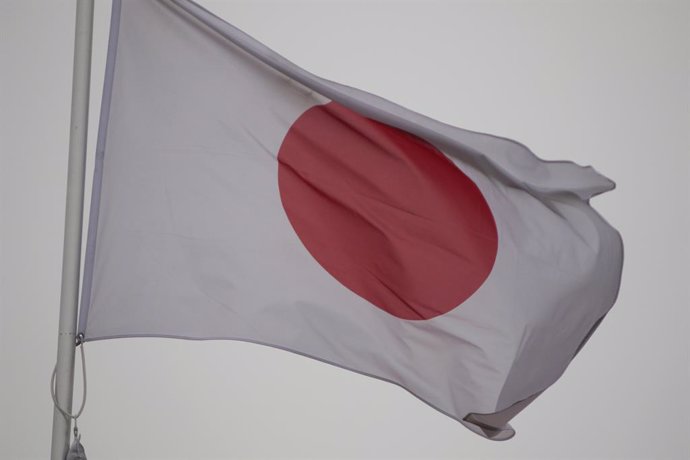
(237, 196)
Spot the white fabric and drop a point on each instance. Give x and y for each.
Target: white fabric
(188, 237)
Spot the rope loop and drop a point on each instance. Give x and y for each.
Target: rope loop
(79, 342)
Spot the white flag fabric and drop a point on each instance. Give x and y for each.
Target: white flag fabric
(237, 196)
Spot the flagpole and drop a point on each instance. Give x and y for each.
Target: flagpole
(71, 255)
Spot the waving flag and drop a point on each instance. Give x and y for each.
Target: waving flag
(237, 196)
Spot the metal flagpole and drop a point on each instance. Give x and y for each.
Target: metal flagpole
(71, 254)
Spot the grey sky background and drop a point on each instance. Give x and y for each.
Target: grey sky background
(605, 83)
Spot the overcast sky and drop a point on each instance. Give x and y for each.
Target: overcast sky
(604, 83)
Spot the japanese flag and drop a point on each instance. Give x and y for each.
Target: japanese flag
(237, 196)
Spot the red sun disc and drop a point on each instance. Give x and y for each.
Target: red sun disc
(385, 212)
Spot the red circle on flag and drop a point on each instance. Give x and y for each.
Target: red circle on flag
(385, 212)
